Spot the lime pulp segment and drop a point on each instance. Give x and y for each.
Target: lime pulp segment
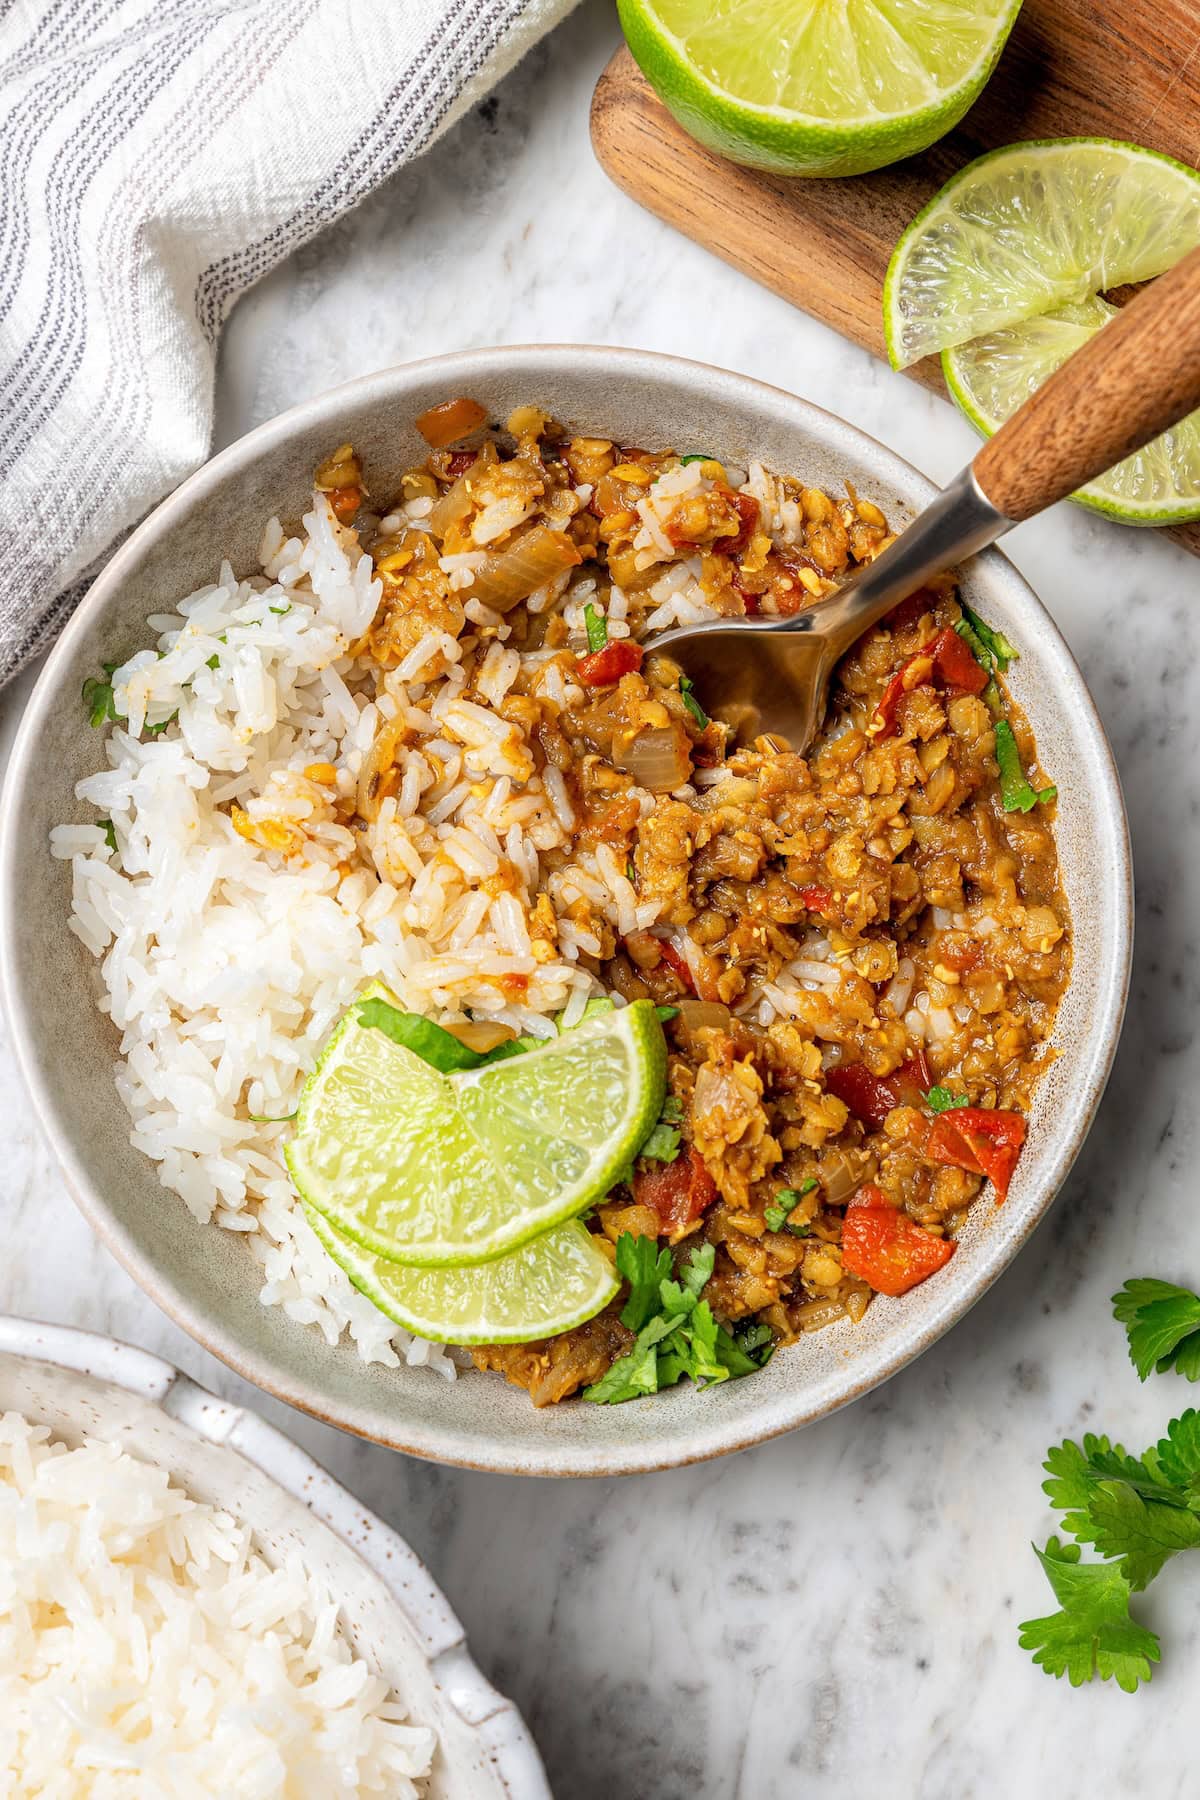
(437, 1170)
(806, 87)
(1030, 228)
(992, 375)
(556, 1281)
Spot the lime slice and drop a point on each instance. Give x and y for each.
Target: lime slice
(991, 376)
(1031, 228)
(438, 1170)
(556, 1281)
(817, 87)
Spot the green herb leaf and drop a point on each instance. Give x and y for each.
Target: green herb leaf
(1017, 794)
(940, 1099)
(994, 642)
(441, 1049)
(672, 1108)
(630, 872)
(778, 1211)
(110, 835)
(697, 456)
(666, 1013)
(1143, 1533)
(1093, 1633)
(1176, 1457)
(645, 1267)
(688, 691)
(596, 626)
(662, 1145)
(1163, 1325)
(271, 1119)
(214, 661)
(97, 694)
(677, 1333)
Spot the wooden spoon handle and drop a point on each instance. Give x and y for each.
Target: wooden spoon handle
(1133, 380)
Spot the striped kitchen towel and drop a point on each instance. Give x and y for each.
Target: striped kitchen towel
(156, 158)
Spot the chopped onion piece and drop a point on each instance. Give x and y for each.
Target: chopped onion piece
(658, 758)
(510, 575)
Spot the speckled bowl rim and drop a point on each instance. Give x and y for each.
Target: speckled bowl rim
(504, 1739)
(786, 1412)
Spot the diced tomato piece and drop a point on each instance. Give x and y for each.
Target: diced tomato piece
(604, 667)
(883, 1246)
(680, 1192)
(747, 511)
(751, 602)
(954, 666)
(946, 663)
(868, 1098)
(345, 502)
(872, 1097)
(460, 461)
(678, 964)
(980, 1140)
(817, 897)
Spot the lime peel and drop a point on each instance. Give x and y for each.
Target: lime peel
(814, 89)
(557, 1281)
(1029, 228)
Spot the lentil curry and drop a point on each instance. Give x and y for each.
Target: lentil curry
(858, 952)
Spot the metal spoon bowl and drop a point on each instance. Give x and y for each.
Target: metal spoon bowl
(1132, 381)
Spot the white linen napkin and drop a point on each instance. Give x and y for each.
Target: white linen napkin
(156, 158)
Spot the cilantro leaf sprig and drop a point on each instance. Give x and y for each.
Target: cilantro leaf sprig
(677, 1334)
(1093, 1632)
(1136, 1512)
(1163, 1326)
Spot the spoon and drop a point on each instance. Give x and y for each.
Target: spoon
(1134, 379)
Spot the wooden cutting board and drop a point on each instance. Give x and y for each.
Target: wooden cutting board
(1108, 68)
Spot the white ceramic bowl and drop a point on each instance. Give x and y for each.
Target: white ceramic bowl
(392, 1610)
(205, 1278)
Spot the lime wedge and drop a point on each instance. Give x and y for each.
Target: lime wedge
(1030, 228)
(991, 376)
(437, 1170)
(556, 1281)
(817, 87)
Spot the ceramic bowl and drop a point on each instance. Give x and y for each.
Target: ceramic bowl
(392, 1610)
(205, 1278)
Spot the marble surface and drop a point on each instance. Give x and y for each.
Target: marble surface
(832, 1614)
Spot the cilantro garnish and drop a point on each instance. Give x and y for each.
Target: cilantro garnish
(696, 456)
(1093, 1633)
(777, 1213)
(994, 642)
(110, 835)
(663, 1143)
(441, 1049)
(687, 689)
(1017, 793)
(665, 1014)
(940, 1099)
(98, 696)
(1163, 1325)
(596, 626)
(1136, 1512)
(677, 1334)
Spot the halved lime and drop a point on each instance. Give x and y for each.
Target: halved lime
(1030, 228)
(438, 1170)
(556, 1281)
(991, 376)
(817, 87)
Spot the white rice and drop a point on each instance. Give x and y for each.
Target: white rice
(147, 1647)
(226, 962)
